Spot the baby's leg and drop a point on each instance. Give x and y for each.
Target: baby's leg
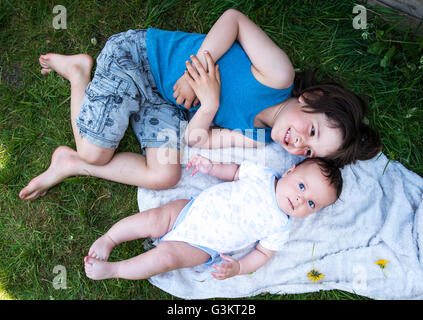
(167, 256)
(152, 223)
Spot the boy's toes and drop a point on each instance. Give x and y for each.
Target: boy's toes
(45, 71)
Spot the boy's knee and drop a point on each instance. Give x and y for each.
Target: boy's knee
(167, 178)
(98, 157)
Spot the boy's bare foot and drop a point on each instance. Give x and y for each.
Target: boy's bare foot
(101, 248)
(64, 163)
(99, 270)
(73, 68)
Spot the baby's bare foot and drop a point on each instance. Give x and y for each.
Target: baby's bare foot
(64, 163)
(101, 248)
(73, 68)
(99, 270)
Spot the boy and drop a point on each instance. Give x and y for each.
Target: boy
(254, 205)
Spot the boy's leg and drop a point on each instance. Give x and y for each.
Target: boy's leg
(152, 223)
(126, 167)
(129, 168)
(167, 256)
(77, 70)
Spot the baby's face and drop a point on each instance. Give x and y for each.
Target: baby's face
(304, 190)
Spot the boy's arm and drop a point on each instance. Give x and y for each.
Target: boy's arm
(206, 84)
(270, 64)
(247, 264)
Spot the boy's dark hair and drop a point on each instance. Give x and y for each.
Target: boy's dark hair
(345, 111)
(329, 170)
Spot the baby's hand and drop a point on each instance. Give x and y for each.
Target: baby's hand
(199, 163)
(226, 270)
(206, 84)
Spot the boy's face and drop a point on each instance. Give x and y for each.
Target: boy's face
(305, 134)
(304, 190)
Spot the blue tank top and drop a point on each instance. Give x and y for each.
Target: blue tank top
(242, 97)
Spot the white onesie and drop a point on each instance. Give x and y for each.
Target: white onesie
(233, 215)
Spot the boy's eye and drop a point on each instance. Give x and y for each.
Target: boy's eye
(311, 204)
(308, 152)
(301, 186)
(312, 132)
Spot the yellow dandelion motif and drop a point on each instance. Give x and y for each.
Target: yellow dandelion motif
(382, 264)
(314, 275)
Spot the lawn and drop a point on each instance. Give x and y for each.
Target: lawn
(383, 62)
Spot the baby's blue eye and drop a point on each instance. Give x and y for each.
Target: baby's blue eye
(311, 204)
(301, 186)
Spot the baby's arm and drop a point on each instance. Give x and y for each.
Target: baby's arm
(247, 264)
(222, 171)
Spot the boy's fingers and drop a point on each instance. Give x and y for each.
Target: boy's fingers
(187, 104)
(189, 79)
(217, 73)
(210, 62)
(193, 72)
(198, 65)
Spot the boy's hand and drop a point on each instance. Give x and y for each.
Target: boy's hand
(199, 163)
(206, 84)
(226, 270)
(184, 94)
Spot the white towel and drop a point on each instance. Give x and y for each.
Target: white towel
(379, 216)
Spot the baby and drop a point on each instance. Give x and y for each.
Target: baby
(255, 205)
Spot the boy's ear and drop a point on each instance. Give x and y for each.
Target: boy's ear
(289, 170)
(310, 96)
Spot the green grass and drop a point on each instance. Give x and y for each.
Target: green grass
(36, 236)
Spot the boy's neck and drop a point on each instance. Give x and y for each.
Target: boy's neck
(266, 118)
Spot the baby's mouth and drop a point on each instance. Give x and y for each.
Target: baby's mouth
(287, 136)
(290, 203)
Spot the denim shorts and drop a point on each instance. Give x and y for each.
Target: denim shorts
(123, 89)
(214, 255)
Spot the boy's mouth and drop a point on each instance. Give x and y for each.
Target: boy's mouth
(287, 136)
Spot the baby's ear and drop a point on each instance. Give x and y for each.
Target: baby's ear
(289, 170)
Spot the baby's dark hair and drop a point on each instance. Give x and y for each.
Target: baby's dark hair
(345, 111)
(329, 170)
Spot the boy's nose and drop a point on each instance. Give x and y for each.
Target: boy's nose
(298, 142)
(300, 199)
